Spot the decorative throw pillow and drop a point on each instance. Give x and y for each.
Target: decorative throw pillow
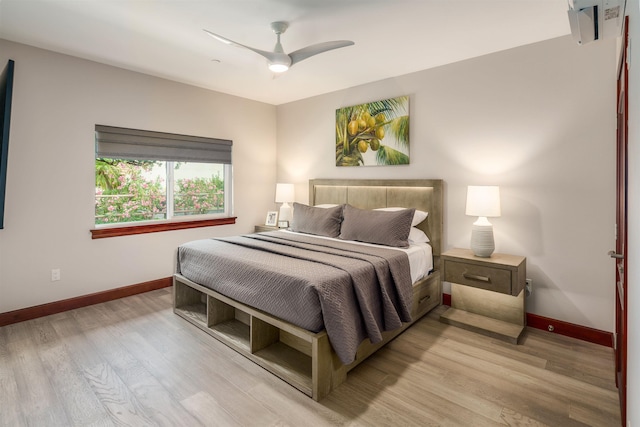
(390, 228)
(319, 221)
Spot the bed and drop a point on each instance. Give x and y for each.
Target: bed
(298, 348)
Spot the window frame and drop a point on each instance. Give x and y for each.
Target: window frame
(158, 226)
(172, 223)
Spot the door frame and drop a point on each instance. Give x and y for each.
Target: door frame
(620, 344)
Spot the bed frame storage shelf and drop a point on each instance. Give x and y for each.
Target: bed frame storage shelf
(283, 349)
(190, 304)
(224, 321)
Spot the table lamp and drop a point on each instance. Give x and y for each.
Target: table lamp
(483, 202)
(284, 195)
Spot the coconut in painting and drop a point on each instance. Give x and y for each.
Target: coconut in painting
(373, 134)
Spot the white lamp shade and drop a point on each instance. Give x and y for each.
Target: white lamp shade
(483, 200)
(284, 193)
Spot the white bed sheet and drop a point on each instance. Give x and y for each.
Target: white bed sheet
(420, 254)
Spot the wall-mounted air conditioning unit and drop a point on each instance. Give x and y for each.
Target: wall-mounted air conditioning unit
(592, 20)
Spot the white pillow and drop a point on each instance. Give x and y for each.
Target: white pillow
(418, 216)
(326, 206)
(417, 236)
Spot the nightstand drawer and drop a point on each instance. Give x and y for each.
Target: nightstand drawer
(478, 276)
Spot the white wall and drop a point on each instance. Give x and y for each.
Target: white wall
(633, 213)
(57, 101)
(539, 121)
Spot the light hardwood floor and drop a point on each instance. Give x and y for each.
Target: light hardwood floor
(134, 362)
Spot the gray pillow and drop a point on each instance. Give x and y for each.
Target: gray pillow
(380, 227)
(319, 221)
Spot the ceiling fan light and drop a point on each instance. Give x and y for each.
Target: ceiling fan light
(278, 68)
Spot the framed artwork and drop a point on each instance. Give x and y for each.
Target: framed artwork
(376, 133)
(272, 218)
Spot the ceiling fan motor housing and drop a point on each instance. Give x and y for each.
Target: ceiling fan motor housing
(279, 27)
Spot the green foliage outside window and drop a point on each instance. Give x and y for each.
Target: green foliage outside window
(199, 196)
(125, 194)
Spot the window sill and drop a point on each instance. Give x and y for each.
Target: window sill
(101, 233)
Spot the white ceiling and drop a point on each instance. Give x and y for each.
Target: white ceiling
(392, 37)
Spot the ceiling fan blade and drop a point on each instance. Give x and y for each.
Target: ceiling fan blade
(314, 49)
(271, 56)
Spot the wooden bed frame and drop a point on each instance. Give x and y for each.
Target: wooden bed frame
(302, 358)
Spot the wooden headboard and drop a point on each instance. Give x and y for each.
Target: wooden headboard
(422, 194)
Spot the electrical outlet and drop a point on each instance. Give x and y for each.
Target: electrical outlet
(529, 286)
(55, 274)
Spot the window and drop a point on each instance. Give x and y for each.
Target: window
(145, 177)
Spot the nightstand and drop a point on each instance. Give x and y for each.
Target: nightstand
(487, 294)
(261, 228)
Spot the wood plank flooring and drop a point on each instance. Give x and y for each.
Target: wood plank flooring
(133, 362)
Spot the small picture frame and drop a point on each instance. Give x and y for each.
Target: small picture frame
(283, 224)
(272, 218)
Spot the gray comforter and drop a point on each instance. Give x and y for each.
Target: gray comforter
(352, 291)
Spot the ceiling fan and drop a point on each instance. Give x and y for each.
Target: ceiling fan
(278, 60)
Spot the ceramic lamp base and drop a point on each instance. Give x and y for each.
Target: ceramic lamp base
(286, 212)
(482, 243)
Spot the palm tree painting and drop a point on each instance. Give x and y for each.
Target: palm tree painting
(376, 133)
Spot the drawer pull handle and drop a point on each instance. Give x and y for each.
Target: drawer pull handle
(423, 299)
(475, 277)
